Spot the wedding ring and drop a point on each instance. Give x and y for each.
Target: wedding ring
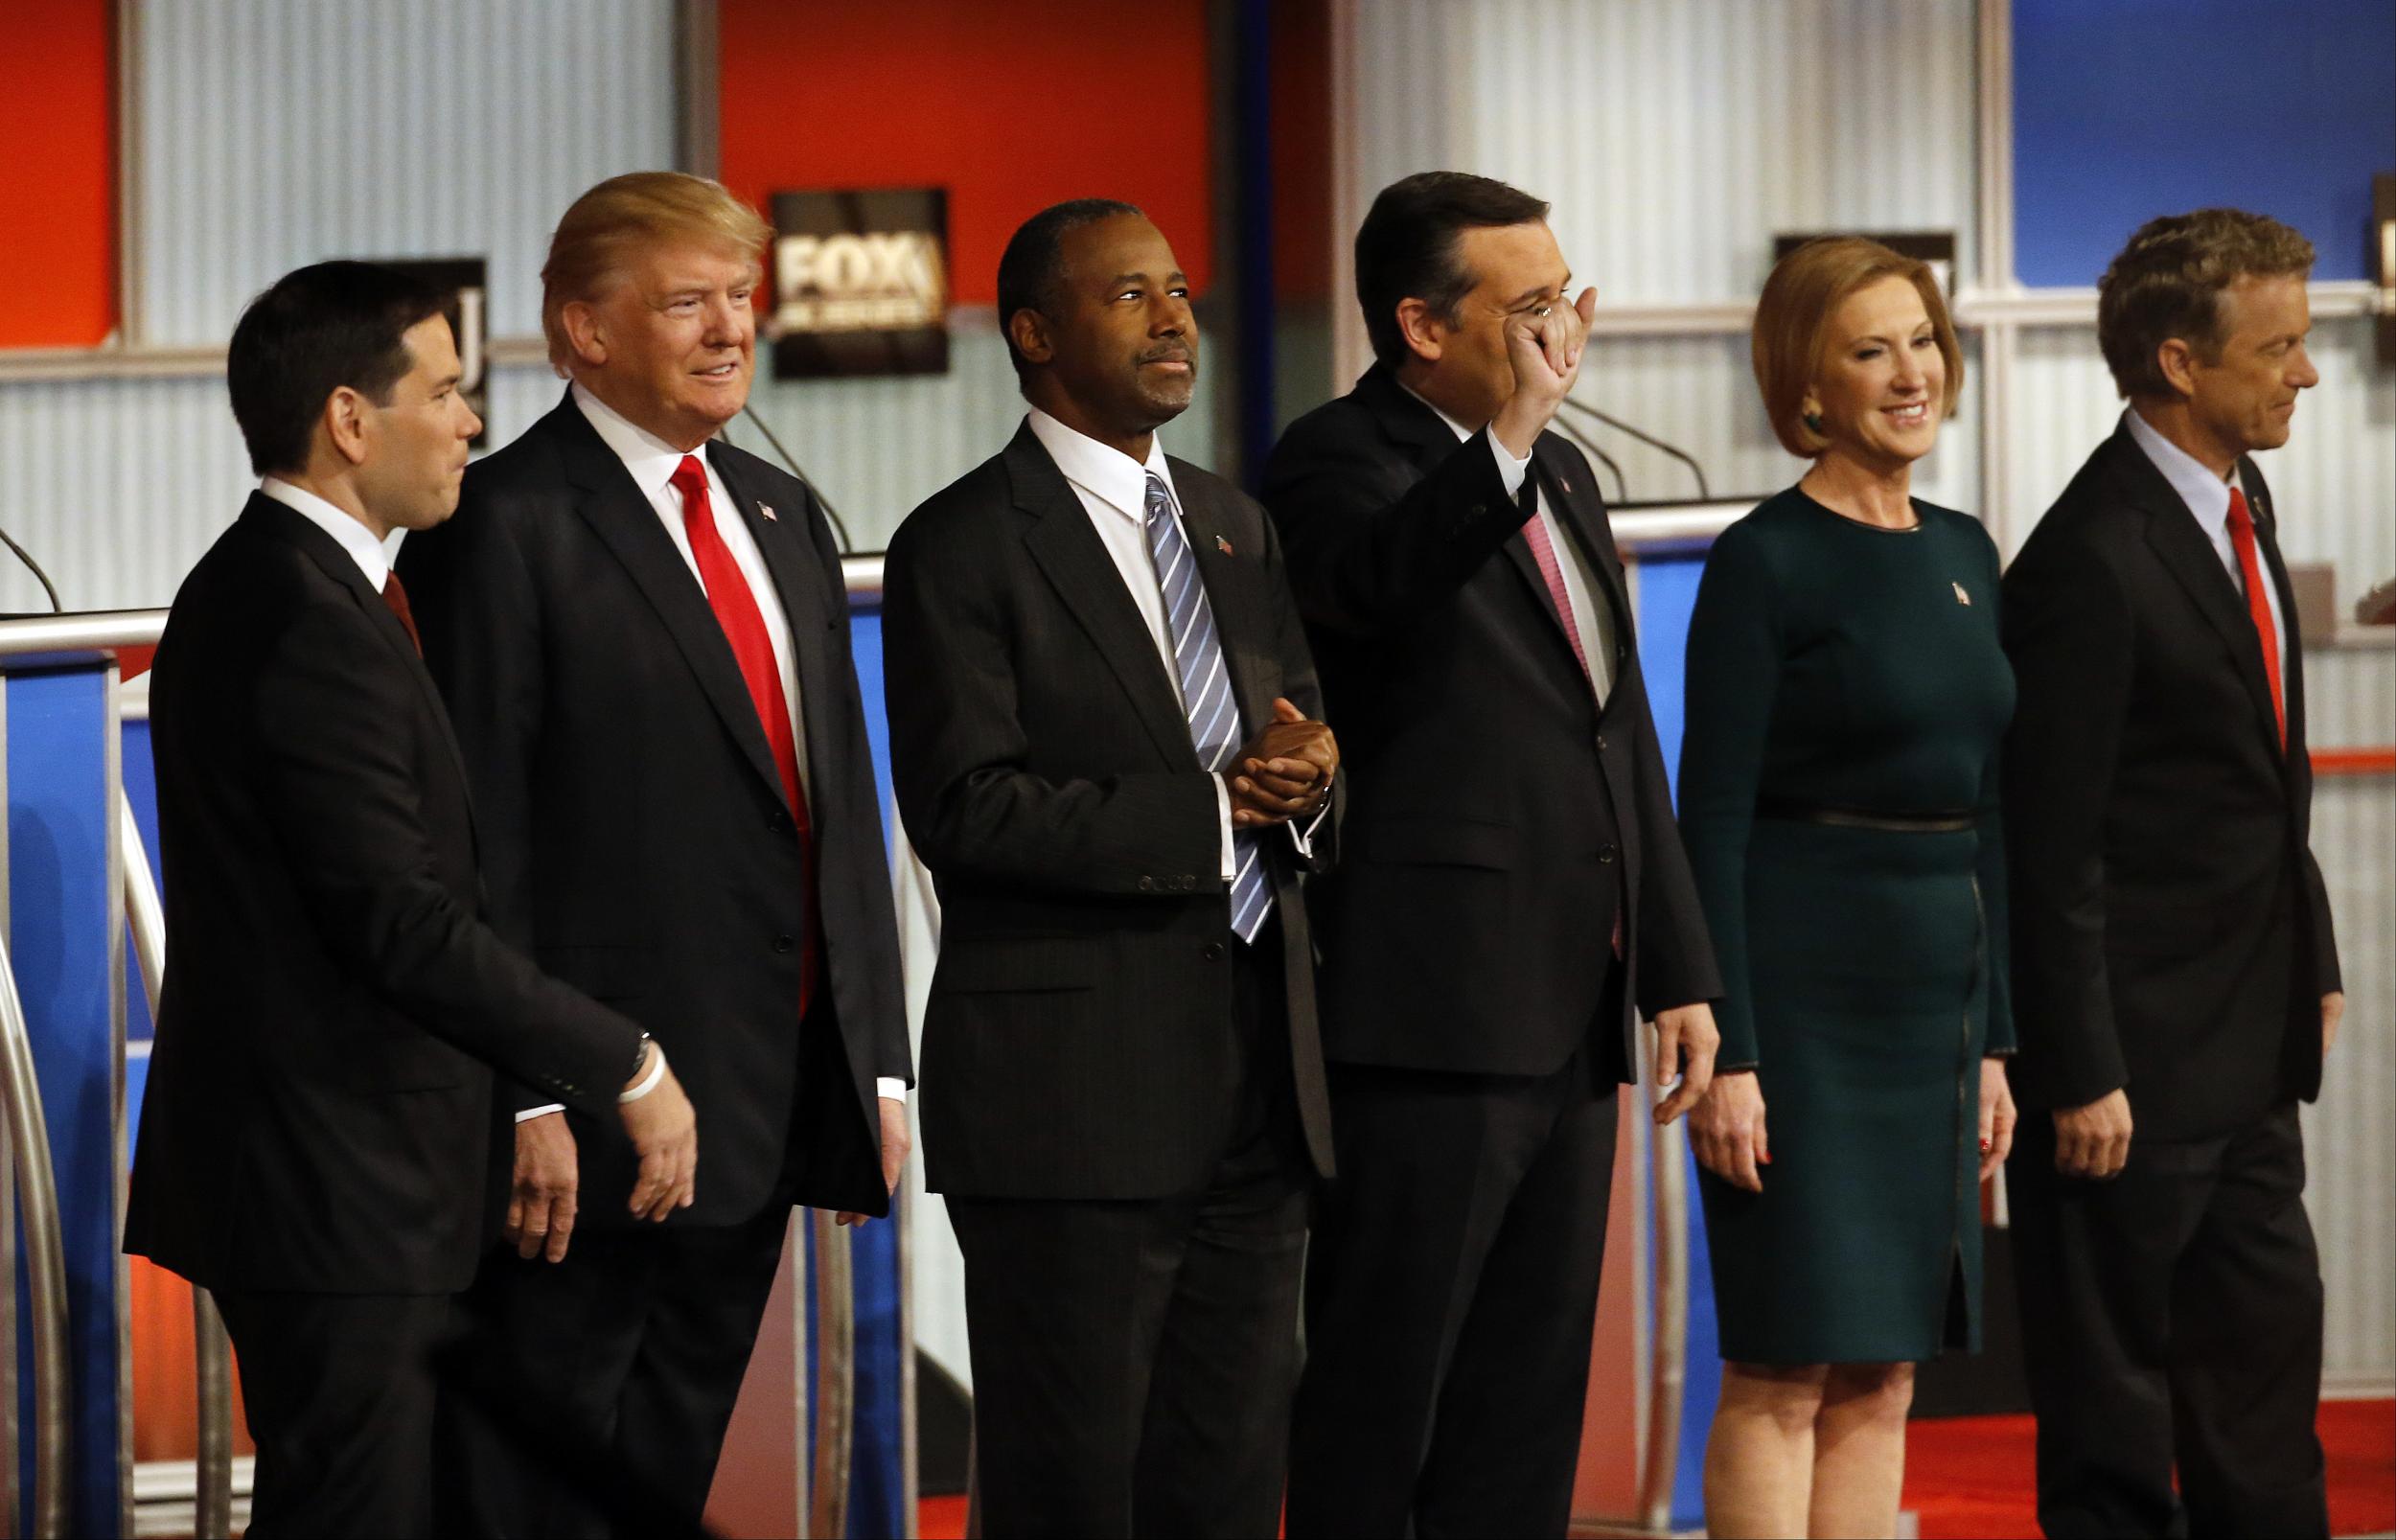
(1542, 309)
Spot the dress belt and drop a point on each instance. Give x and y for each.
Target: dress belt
(1940, 822)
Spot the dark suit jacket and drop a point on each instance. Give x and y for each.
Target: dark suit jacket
(1079, 1041)
(635, 835)
(2170, 930)
(1496, 820)
(320, 1115)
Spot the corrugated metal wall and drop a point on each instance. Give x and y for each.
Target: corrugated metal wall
(278, 132)
(2350, 1137)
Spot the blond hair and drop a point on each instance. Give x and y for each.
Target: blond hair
(2168, 282)
(623, 214)
(1793, 315)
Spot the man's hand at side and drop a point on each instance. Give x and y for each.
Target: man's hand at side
(1283, 771)
(2093, 1141)
(2332, 1011)
(541, 1205)
(1686, 1041)
(665, 1134)
(896, 1144)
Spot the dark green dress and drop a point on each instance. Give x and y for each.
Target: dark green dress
(1836, 667)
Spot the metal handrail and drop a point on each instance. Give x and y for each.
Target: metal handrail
(1668, 1363)
(836, 1374)
(45, 1258)
(211, 1349)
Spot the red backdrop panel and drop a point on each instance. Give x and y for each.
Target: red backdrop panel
(1011, 108)
(57, 288)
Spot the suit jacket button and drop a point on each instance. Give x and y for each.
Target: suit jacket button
(1601, 743)
(1606, 854)
(1213, 952)
(783, 943)
(1148, 884)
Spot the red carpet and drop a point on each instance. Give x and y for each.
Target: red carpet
(1970, 1477)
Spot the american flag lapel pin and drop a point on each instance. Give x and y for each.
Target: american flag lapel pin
(767, 509)
(1961, 597)
(1223, 545)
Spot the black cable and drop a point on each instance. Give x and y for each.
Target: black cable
(839, 530)
(1649, 438)
(27, 557)
(1622, 487)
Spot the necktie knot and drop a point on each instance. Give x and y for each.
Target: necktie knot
(2239, 517)
(395, 600)
(690, 479)
(1160, 498)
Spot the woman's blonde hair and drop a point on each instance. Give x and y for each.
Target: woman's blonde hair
(1794, 313)
(623, 214)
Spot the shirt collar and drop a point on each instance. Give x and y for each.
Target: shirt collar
(650, 459)
(2206, 495)
(1109, 474)
(1454, 427)
(354, 536)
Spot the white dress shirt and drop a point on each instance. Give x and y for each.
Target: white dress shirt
(652, 461)
(1593, 621)
(1112, 489)
(2207, 496)
(354, 538)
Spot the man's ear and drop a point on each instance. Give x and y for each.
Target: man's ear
(2179, 362)
(344, 421)
(583, 334)
(1029, 329)
(1425, 334)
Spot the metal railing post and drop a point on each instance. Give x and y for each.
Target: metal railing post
(45, 1259)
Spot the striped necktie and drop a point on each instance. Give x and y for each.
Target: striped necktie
(1214, 724)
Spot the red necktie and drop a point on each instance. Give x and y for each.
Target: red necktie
(745, 628)
(2258, 604)
(395, 599)
(1543, 552)
(1552, 571)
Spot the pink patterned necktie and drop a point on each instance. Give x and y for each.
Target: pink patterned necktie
(1543, 552)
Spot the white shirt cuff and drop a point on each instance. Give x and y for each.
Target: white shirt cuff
(531, 1113)
(1304, 838)
(1223, 815)
(1512, 472)
(890, 1087)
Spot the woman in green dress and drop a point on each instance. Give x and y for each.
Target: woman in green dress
(1846, 699)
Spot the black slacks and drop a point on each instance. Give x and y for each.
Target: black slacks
(1451, 1296)
(596, 1391)
(341, 1399)
(1134, 1360)
(2171, 1317)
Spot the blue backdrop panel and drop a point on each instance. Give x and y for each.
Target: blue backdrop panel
(1668, 591)
(2131, 108)
(877, 1492)
(61, 923)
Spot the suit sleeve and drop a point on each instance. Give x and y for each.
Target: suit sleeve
(1304, 686)
(1735, 654)
(342, 796)
(1366, 551)
(960, 754)
(1990, 871)
(2068, 630)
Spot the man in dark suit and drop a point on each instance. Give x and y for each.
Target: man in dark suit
(2173, 954)
(318, 1134)
(1100, 693)
(1511, 891)
(643, 637)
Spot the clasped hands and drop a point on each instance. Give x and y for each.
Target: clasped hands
(1282, 772)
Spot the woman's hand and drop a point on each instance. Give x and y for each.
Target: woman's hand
(1996, 1117)
(1726, 1130)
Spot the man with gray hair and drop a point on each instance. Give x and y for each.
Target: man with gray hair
(643, 638)
(2176, 978)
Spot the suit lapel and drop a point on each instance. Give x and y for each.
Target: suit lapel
(806, 592)
(2179, 543)
(612, 506)
(1091, 587)
(337, 564)
(1237, 620)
